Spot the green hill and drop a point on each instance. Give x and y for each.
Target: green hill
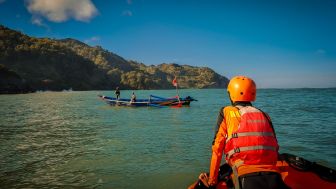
(51, 64)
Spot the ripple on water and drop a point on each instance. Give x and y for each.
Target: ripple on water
(73, 140)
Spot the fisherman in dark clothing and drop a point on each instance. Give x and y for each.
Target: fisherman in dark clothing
(133, 97)
(117, 92)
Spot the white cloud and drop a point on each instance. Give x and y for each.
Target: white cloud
(127, 13)
(62, 10)
(39, 22)
(320, 51)
(93, 39)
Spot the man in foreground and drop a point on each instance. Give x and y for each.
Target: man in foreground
(246, 136)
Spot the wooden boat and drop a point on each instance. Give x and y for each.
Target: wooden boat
(153, 100)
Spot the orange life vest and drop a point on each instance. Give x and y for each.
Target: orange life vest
(252, 140)
(247, 138)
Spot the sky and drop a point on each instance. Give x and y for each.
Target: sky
(278, 43)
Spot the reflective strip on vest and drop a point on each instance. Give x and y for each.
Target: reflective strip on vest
(247, 148)
(234, 114)
(236, 135)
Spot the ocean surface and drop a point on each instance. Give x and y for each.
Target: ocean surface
(75, 140)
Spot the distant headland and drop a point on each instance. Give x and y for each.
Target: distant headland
(28, 64)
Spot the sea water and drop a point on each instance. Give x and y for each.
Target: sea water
(75, 140)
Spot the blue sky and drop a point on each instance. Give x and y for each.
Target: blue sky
(280, 44)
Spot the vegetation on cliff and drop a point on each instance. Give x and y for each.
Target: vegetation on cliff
(50, 64)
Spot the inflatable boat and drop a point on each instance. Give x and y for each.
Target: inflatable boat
(297, 173)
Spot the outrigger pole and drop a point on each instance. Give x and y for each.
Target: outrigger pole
(175, 84)
(178, 96)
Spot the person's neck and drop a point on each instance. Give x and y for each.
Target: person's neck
(242, 103)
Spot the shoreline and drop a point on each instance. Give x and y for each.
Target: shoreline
(70, 90)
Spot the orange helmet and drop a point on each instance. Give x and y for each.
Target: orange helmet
(242, 88)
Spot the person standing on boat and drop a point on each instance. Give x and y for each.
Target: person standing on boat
(117, 93)
(133, 97)
(246, 136)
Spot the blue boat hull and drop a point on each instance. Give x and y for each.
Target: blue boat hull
(152, 101)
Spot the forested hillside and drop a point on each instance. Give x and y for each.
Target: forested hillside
(30, 64)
